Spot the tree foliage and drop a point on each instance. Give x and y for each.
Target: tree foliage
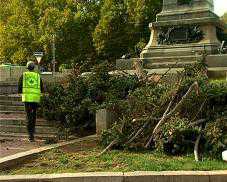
(74, 103)
(167, 114)
(85, 31)
(171, 116)
(122, 25)
(29, 26)
(224, 17)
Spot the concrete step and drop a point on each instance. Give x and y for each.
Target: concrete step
(13, 115)
(175, 50)
(23, 122)
(10, 97)
(8, 87)
(169, 64)
(11, 108)
(11, 112)
(11, 103)
(23, 129)
(22, 136)
(6, 83)
(172, 58)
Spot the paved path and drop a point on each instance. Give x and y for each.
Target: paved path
(10, 147)
(13, 127)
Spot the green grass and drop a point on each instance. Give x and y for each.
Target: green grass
(57, 161)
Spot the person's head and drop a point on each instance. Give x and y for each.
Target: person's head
(30, 65)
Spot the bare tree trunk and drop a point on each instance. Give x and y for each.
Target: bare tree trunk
(198, 122)
(162, 119)
(166, 115)
(196, 148)
(138, 132)
(114, 142)
(200, 109)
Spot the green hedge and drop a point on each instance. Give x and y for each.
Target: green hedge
(136, 101)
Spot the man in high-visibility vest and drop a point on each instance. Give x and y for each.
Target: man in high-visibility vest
(30, 86)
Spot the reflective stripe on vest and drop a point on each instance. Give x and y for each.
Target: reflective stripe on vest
(31, 87)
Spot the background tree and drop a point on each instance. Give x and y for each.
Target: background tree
(224, 18)
(86, 32)
(16, 31)
(122, 25)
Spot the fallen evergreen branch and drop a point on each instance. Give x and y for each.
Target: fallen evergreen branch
(167, 71)
(139, 70)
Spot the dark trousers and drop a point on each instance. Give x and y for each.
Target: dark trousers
(31, 109)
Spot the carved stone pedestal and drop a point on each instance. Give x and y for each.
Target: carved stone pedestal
(183, 29)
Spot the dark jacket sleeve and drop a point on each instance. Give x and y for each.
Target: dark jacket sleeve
(20, 85)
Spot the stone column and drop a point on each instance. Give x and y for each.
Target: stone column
(104, 120)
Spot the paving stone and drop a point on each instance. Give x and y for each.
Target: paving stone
(9, 147)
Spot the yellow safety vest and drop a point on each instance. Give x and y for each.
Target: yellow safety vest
(31, 91)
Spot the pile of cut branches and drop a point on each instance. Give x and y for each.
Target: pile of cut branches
(169, 113)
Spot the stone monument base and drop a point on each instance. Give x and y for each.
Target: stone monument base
(217, 64)
(179, 50)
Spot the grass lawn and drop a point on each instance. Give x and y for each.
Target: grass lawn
(70, 161)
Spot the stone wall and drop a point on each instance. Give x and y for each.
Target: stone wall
(11, 73)
(9, 77)
(104, 120)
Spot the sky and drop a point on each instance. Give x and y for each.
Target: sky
(220, 7)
